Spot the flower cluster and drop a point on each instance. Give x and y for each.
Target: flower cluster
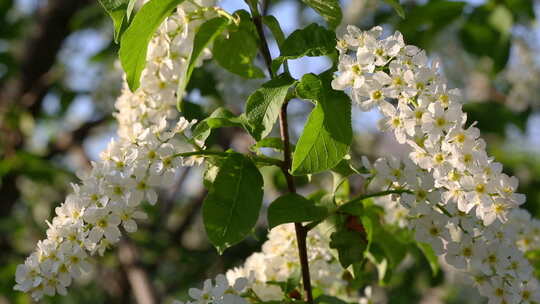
(524, 77)
(220, 293)
(278, 262)
(143, 157)
(452, 180)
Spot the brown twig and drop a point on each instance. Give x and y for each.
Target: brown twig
(301, 231)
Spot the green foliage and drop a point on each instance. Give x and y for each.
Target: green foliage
(30, 165)
(314, 40)
(117, 10)
(263, 106)
(521, 9)
(397, 7)
(221, 117)
(192, 110)
(328, 9)
(350, 245)
(386, 249)
(273, 24)
(291, 208)
(384, 246)
(486, 33)
(494, 117)
(205, 35)
(236, 51)
(134, 42)
(431, 257)
(280, 183)
(268, 142)
(421, 27)
(231, 208)
(328, 131)
(204, 81)
(340, 173)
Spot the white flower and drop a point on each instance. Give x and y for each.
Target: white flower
(369, 95)
(351, 73)
(492, 259)
(104, 224)
(144, 189)
(439, 120)
(357, 38)
(499, 291)
(507, 188)
(431, 229)
(202, 295)
(458, 254)
(393, 121)
(28, 275)
(529, 292)
(127, 215)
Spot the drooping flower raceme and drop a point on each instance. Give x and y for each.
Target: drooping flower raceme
(460, 201)
(143, 157)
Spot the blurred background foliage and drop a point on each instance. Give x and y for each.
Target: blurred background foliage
(59, 79)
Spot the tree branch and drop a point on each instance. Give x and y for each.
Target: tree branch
(301, 231)
(136, 275)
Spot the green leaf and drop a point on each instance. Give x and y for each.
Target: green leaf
(430, 256)
(117, 11)
(273, 24)
(502, 20)
(191, 110)
(263, 106)
(206, 33)
(236, 51)
(231, 209)
(377, 258)
(134, 43)
(393, 251)
(397, 7)
(221, 117)
(327, 134)
(352, 208)
(280, 183)
(328, 9)
(275, 143)
(385, 249)
(367, 223)
(203, 80)
(312, 41)
(294, 208)
(349, 244)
